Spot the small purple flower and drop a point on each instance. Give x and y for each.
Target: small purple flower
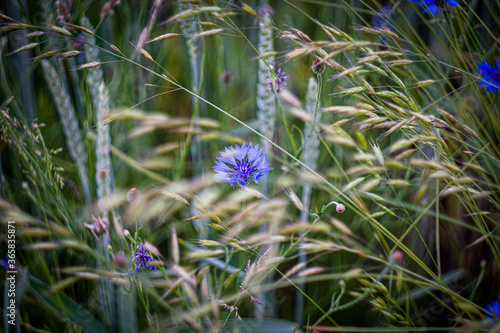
(278, 82)
(78, 44)
(430, 5)
(494, 310)
(142, 259)
(241, 165)
(491, 75)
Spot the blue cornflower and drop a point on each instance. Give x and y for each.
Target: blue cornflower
(279, 81)
(494, 310)
(142, 259)
(491, 75)
(382, 18)
(430, 5)
(241, 165)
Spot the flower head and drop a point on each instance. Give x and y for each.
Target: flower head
(241, 165)
(397, 257)
(318, 67)
(382, 18)
(340, 208)
(494, 311)
(279, 81)
(142, 259)
(133, 195)
(491, 75)
(430, 5)
(226, 77)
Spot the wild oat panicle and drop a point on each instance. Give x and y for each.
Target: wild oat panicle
(147, 30)
(69, 122)
(107, 8)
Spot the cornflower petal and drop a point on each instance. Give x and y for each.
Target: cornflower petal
(490, 76)
(430, 5)
(254, 152)
(493, 309)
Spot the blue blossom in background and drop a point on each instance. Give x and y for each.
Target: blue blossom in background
(78, 44)
(279, 81)
(241, 165)
(430, 5)
(142, 259)
(8, 264)
(382, 19)
(494, 311)
(491, 75)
